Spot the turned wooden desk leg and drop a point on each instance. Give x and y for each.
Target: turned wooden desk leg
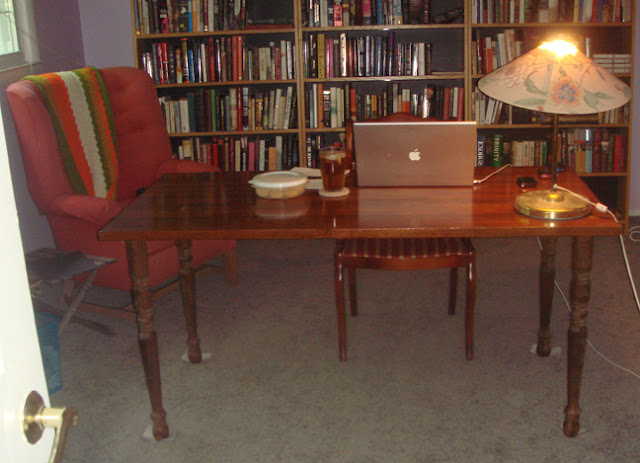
(147, 339)
(188, 291)
(546, 287)
(581, 255)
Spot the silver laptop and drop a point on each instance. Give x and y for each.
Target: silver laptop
(415, 153)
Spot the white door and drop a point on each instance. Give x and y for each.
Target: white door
(20, 363)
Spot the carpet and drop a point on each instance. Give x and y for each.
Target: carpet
(274, 390)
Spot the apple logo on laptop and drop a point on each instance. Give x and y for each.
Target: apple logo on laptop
(414, 155)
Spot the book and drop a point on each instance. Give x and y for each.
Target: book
(321, 54)
(416, 11)
(183, 16)
(498, 140)
(449, 16)
(272, 155)
(278, 146)
(287, 108)
(480, 150)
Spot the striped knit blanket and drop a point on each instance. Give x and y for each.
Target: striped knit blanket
(79, 106)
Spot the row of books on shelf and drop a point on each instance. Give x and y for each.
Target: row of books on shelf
(550, 11)
(496, 150)
(218, 59)
(174, 16)
(339, 13)
(314, 142)
(619, 63)
(581, 149)
(331, 106)
(494, 51)
(245, 153)
(357, 56)
(592, 150)
(230, 109)
(487, 110)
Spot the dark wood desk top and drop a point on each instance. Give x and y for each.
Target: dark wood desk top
(225, 206)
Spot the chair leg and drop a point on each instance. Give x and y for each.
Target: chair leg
(68, 290)
(453, 290)
(470, 307)
(342, 323)
(230, 263)
(353, 295)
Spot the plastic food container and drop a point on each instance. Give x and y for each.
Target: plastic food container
(279, 184)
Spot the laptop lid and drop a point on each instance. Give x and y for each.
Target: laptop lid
(417, 153)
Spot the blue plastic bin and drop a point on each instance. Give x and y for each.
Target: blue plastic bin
(47, 326)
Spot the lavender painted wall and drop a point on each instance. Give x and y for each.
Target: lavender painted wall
(60, 38)
(60, 44)
(107, 32)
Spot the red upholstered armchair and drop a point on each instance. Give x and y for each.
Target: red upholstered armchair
(143, 153)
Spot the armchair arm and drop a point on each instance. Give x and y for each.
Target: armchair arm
(183, 166)
(89, 208)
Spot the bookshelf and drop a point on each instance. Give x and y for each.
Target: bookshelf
(376, 60)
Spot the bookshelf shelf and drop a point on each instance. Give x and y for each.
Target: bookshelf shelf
(270, 24)
(603, 174)
(439, 76)
(228, 83)
(178, 35)
(326, 130)
(387, 28)
(589, 25)
(233, 132)
(514, 126)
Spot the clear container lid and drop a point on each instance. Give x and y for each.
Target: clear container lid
(278, 179)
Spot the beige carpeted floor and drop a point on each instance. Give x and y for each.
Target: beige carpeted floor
(274, 390)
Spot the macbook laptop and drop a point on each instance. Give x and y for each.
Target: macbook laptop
(415, 153)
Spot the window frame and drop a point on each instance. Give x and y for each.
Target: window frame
(26, 34)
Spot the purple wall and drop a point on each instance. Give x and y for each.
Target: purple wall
(60, 45)
(107, 32)
(59, 35)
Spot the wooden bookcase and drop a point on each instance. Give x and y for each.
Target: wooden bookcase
(320, 99)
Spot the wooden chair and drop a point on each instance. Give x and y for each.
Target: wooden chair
(401, 254)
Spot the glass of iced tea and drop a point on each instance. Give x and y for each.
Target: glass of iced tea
(332, 168)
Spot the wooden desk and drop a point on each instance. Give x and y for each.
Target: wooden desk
(184, 207)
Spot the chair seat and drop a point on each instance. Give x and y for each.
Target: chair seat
(404, 248)
(417, 253)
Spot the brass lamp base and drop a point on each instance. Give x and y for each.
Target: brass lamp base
(551, 204)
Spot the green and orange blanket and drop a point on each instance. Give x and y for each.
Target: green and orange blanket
(80, 110)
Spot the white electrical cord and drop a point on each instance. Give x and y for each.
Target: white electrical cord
(635, 230)
(491, 174)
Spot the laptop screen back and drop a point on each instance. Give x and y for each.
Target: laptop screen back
(415, 153)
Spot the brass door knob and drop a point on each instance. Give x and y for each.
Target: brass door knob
(37, 417)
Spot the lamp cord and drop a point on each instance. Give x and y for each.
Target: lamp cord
(633, 231)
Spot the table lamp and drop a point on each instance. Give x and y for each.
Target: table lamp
(555, 78)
